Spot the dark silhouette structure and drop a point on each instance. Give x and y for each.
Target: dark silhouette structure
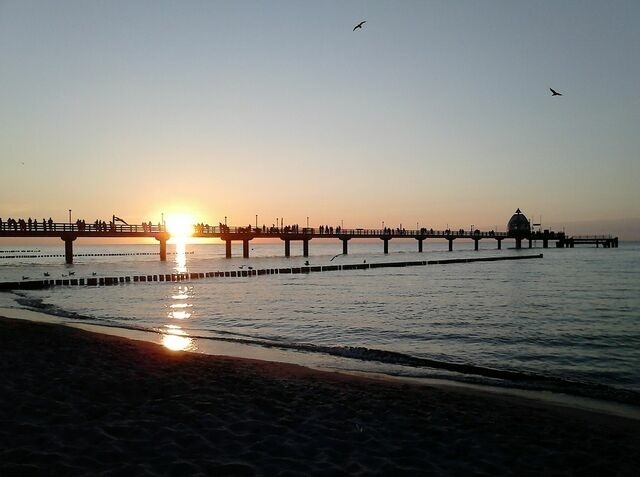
(518, 229)
(69, 232)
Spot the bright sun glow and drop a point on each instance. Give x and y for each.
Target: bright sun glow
(180, 226)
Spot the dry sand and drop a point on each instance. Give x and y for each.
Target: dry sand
(74, 402)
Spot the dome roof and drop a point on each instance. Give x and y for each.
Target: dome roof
(518, 224)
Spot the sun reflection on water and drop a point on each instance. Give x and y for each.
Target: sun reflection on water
(173, 336)
(181, 256)
(176, 339)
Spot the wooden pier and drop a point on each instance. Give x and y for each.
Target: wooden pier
(69, 232)
(607, 241)
(305, 235)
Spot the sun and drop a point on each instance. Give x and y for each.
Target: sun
(180, 226)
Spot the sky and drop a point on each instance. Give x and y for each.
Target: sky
(435, 113)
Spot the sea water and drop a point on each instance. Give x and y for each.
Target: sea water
(568, 322)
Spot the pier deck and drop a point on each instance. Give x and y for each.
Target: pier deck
(69, 232)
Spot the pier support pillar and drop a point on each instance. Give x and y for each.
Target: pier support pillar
(450, 244)
(163, 250)
(245, 248)
(545, 243)
(518, 243)
(420, 240)
(530, 243)
(475, 245)
(345, 248)
(287, 248)
(68, 247)
(386, 245)
(162, 238)
(228, 248)
(305, 248)
(499, 244)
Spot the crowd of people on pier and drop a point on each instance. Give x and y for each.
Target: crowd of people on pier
(80, 225)
(99, 225)
(221, 228)
(26, 225)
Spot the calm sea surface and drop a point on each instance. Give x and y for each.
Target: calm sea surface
(568, 322)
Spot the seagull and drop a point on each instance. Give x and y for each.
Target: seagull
(359, 25)
(306, 262)
(46, 274)
(25, 278)
(93, 274)
(72, 273)
(554, 92)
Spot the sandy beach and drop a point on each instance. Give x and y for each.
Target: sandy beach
(74, 402)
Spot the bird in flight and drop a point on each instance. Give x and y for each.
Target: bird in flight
(554, 92)
(359, 25)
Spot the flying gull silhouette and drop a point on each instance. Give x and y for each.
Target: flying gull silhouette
(359, 25)
(554, 92)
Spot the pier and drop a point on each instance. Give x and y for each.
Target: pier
(606, 241)
(70, 232)
(305, 235)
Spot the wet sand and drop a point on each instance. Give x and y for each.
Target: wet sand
(74, 402)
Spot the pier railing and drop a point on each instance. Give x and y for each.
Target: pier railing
(75, 227)
(591, 237)
(204, 230)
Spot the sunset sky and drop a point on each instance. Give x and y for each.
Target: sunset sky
(433, 113)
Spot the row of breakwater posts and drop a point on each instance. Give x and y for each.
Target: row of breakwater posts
(69, 232)
(179, 277)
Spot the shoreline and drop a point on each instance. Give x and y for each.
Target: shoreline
(75, 401)
(243, 351)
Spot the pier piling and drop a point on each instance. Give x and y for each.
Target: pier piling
(68, 247)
